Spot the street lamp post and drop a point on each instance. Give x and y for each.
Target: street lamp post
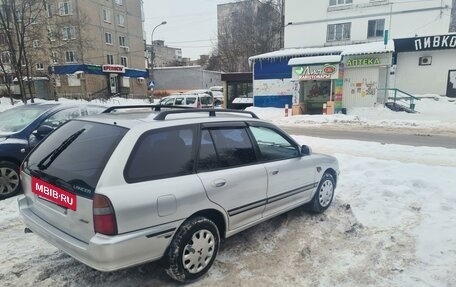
(152, 52)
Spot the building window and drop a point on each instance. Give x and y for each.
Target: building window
(39, 66)
(107, 15)
(54, 58)
(51, 34)
(124, 61)
(110, 59)
(108, 38)
(120, 20)
(5, 58)
(65, 8)
(339, 2)
(122, 41)
(70, 56)
(338, 32)
(375, 28)
(119, 2)
(48, 9)
(36, 43)
(68, 33)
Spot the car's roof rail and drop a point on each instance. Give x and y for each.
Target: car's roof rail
(212, 112)
(155, 108)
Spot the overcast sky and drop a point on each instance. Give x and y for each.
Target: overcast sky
(192, 24)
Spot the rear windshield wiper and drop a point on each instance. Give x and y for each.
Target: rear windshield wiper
(42, 165)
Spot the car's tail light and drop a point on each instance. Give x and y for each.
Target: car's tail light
(104, 218)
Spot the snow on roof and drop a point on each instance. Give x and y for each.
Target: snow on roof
(356, 49)
(314, 60)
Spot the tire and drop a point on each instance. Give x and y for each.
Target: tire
(9, 179)
(193, 250)
(324, 195)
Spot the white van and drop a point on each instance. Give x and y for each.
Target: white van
(189, 100)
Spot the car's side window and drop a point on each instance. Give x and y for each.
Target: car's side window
(272, 145)
(190, 100)
(62, 116)
(225, 148)
(161, 154)
(179, 101)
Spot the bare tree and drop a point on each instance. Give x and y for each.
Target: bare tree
(251, 28)
(17, 21)
(37, 34)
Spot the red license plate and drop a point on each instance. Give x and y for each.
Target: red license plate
(53, 193)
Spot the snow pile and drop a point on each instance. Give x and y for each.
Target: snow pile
(437, 114)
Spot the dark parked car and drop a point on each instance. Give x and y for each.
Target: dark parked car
(21, 128)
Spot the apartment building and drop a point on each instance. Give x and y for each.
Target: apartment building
(87, 48)
(350, 51)
(164, 56)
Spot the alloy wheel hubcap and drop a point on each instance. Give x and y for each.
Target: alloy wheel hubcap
(9, 180)
(199, 251)
(326, 193)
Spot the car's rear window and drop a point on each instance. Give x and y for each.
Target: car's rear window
(73, 157)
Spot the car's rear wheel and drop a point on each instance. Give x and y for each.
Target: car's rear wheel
(9, 179)
(193, 250)
(324, 194)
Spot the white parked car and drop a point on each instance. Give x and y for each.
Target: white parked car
(120, 189)
(188, 100)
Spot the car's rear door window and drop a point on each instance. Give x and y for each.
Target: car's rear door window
(74, 155)
(160, 154)
(225, 148)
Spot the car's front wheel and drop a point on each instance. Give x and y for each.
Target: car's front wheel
(324, 194)
(193, 249)
(9, 179)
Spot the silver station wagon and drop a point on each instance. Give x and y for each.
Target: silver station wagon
(131, 185)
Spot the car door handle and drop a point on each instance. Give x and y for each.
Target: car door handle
(219, 183)
(275, 171)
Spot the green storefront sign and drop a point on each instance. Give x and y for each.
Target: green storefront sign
(363, 62)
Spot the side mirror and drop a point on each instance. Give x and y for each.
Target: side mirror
(305, 150)
(43, 131)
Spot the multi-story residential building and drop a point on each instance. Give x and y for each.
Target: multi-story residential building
(164, 56)
(347, 53)
(342, 22)
(89, 48)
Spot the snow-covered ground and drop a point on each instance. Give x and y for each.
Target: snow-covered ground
(392, 223)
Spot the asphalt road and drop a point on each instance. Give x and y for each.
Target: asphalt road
(394, 137)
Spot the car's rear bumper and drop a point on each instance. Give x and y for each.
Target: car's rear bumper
(104, 253)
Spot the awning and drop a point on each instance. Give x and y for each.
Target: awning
(329, 59)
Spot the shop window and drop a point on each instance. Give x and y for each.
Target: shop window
(338, 32)
(375, 28)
